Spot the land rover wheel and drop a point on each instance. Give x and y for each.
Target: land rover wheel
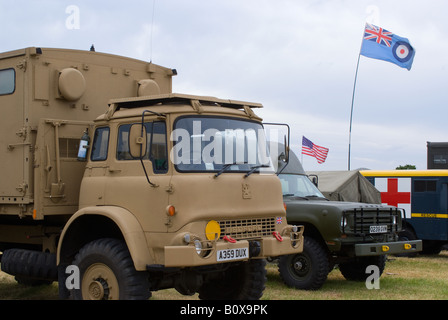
(244, 281)
(307, 270)
(107, 273)
(356, 270)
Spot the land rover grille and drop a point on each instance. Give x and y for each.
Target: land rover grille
(362, 221)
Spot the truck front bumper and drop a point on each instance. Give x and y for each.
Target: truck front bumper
(210, 253)
(375, 249)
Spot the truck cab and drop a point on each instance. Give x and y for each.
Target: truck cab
(182, 179)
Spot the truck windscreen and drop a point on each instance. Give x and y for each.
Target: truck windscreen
(219, 144)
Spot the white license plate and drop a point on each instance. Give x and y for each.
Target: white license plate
(378, 229)
(232, 254)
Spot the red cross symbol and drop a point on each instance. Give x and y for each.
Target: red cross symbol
(392, 196)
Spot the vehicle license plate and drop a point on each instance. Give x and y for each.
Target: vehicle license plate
(233, 254)
(378, 229)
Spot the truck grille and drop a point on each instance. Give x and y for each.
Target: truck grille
(247, 228)
(364, 221)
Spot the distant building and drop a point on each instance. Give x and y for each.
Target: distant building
(437, 155)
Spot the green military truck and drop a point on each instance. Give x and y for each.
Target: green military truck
(115, 187)
(348, 234)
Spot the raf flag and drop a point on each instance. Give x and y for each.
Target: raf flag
(310, 149)
(379, 43)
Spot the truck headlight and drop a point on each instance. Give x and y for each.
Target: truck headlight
(343, 222)
(198, 246)
(394, 220)
(203, 248)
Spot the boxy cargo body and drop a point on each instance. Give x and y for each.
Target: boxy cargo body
(49, 96)
(150, 206)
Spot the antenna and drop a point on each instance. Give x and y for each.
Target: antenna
(152, 28)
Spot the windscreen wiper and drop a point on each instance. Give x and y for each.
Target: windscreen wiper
(315, 197)
(254, 168)
(295, 196)
(224, 168)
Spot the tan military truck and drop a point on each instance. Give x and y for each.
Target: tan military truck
(150, 190)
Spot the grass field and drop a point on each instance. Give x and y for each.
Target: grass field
(419, 278)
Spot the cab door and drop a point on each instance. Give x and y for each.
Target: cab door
(140, 186)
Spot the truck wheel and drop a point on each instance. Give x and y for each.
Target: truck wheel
(307, 270)
(356, 270)
(245, 281)
(30, 268)
(431, 247)
(107, 273)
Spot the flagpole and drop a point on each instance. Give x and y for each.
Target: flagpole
(301, 153)
(351, 112)
(353, 99)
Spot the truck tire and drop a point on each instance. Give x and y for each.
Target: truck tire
(431, 247)
(356, 270)
(307, 270)
(245, 281)
(107, 272)
(30, 267)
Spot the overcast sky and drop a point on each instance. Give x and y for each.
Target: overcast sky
(298, 58)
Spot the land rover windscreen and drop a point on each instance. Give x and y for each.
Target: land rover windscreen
(295, 185)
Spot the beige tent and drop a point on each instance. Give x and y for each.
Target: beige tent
(346, 186)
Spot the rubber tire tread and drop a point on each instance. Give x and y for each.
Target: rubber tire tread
(356, 270)
(245, 281)
(30, 267)
(133, 284)
(318, 255)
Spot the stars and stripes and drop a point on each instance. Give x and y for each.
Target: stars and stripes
(378, 34)
(313, 150)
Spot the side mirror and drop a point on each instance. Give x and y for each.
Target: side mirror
(137, 141)
(83, 146)
(314, 179)
(286, 144)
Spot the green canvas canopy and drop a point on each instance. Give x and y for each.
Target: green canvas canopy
(346, 186)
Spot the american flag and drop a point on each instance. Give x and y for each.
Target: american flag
(311, 149)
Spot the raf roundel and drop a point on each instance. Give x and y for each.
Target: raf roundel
(402, 51)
